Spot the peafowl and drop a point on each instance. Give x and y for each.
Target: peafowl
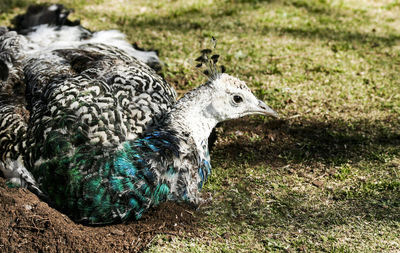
(98, 134)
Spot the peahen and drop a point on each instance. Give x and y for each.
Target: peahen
(105, 138)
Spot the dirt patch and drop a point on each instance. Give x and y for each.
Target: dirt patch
(27, 224)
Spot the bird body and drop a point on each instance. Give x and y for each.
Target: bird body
(106, 139)
(51, 77)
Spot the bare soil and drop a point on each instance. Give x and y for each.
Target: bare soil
(27, 224)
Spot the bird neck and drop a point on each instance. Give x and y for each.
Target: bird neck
(192, 114)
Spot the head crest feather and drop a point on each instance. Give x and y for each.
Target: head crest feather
(209, 61)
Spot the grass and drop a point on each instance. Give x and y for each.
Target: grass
(327, 176)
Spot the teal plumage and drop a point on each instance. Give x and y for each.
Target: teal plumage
(120, 186)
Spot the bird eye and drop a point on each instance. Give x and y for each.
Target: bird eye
(237, 99)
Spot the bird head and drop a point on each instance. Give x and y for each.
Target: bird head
(222, 98)
(231, 99)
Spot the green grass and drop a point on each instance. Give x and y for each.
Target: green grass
(327, 176)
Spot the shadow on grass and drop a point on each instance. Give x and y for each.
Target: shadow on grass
(335, 35)
(213, 19)
(304, 145)
(7, 5)
(309, 141)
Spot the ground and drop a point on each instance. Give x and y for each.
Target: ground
(30, 225)
(325, 177)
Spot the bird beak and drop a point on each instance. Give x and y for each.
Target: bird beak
(266, 110)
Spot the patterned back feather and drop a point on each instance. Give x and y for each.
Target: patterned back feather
(82, 105)
(97, 100)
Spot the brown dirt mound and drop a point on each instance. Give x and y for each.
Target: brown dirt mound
(29, 225)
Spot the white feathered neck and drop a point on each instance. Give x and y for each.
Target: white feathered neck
(196, 111)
